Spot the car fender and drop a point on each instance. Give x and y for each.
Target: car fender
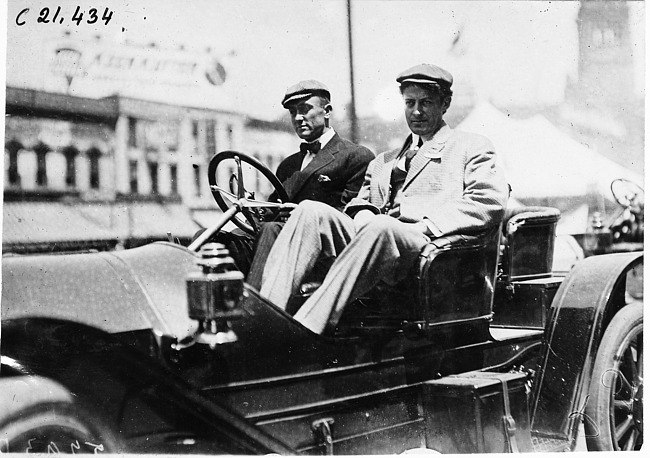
(106, 376)
(15, 391)
(585, 303)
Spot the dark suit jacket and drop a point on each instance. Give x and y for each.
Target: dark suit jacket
(333, 177)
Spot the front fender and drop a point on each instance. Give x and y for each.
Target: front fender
(585, 303)
(130, 392)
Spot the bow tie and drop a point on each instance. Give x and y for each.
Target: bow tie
(313, 148)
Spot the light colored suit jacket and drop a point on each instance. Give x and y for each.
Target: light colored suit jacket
(453, 184)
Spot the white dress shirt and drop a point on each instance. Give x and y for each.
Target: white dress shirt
(415, 140)
(328, 134)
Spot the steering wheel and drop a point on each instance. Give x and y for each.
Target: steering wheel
(250, 212)
(627, 193)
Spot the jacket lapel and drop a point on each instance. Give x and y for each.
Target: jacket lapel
(290, 182)
(431, 150)
(297, 181)
(387, 170)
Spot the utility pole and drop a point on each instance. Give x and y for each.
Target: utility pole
(353, 111)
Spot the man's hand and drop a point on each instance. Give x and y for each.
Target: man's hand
(361, 219)
(285, 211)
(423, 227)
(280, 213)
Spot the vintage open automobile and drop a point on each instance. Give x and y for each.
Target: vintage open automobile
(165, 349)
(624, 231)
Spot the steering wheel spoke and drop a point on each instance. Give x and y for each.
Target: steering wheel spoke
(250, 211)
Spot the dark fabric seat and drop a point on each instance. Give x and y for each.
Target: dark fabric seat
(528, 242)
(451, 289)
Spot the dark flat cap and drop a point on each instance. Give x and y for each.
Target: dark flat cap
(304, 90)
(426, 73)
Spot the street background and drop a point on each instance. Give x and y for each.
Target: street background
(557, 86)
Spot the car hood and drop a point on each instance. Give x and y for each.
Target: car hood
(140, 288)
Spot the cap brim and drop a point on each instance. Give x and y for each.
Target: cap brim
(296, 97)
(418, 80)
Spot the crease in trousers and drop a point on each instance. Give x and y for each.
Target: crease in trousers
(266, 238)
(383, 250)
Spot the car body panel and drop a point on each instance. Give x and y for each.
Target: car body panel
(153, 409)
(117, 291)
(361, 393)
(583, 306)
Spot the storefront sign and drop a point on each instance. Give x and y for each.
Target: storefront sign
(135, 64)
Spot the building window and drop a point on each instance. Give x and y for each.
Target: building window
(133, 132)
(70, 154)
(195, 129)
(197, 179)
(211, 139)
(133, 176)
(13, 147)
(173, 176)
(93, 158)
(41, 166)
(153, 176)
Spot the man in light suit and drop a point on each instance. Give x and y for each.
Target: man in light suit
(442, 181)
(328, 168)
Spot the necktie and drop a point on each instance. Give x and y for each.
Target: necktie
(410, 153)
(408, 156)
(313, 148)
(308, 151)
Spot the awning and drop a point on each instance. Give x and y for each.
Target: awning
(61, 222)
(42, 222)
(154, 220)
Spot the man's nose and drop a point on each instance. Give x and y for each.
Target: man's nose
(417, 108)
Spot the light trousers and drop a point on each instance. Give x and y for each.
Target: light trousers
(385, 249)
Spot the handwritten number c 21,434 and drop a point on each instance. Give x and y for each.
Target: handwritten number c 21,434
(56, 16)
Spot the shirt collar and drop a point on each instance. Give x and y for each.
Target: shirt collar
(327, 135)
(415, 139)
(436, 137)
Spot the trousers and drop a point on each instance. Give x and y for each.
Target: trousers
(383, 250)
(265, 240)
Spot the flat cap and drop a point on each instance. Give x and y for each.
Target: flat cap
(304, 90)
(426, 73)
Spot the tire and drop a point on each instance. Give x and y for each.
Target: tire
(39, 416)
(614, 413)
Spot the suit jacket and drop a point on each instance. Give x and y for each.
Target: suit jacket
(453, 184)
(334, 175)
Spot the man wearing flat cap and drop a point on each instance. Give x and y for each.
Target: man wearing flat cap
(441, 181)
(327, 169)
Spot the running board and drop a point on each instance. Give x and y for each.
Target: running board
(503, 333)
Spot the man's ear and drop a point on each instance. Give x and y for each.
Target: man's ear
(446, 102)
(328, 110)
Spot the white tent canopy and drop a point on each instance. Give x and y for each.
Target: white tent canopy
(541, 161)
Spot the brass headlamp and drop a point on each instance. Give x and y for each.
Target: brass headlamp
(214, 293)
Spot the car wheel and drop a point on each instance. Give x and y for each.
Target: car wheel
(614, 413)
(36, 417)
